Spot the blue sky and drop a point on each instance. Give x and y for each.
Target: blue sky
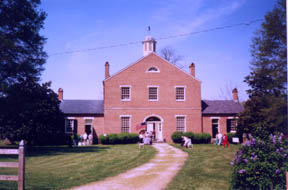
(221, 57)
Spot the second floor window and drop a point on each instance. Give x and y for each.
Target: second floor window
(153, 94)
(180, 93)
(125, 93)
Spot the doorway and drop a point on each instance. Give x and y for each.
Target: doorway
(154, 125)
(215, 128)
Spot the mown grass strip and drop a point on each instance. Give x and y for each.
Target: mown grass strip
(207, 167)
(60, 167)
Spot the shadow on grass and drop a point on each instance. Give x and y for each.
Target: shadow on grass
(60, 150)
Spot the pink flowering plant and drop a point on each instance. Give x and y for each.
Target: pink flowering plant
(261, 164)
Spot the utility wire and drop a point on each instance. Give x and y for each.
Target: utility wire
(248, 23)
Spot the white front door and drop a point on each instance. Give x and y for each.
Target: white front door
(158, 131)
(149, 127)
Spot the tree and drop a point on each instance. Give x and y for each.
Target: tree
(170, 55)
(21, 48)
(30, 111)
(266, 110)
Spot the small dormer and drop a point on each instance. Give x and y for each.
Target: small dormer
(149, 45)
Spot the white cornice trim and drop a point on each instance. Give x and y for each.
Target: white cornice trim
(149, 108)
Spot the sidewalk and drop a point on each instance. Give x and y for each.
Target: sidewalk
(155, 174)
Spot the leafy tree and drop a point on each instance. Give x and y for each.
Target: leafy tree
(31, 111)
(266, 110)
(28, 110)
(21, 48)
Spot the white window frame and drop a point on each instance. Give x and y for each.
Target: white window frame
(153, 86)
(180, 100)
(130, 118)
(184, 121)
(236, 123)
(158, 70)
(130, 89)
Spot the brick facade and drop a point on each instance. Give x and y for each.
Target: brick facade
(126, 101)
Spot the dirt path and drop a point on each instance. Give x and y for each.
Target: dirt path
(155, 174)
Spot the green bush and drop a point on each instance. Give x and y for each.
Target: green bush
(189, 135)
(261, 164)
(133, 138)
(206, 137)
(197, 138)
(104, 139)
(176, 137)
(122, 138)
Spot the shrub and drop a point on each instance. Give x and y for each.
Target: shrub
(261, 165)
(197, 138)
(176, 137)
(122, 138)
(113, 139)
(206, 138)
(133, 138)
(189, 135)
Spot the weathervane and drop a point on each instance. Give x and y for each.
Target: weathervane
(149, 29)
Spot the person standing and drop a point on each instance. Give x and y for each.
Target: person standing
(220, 139)
(225, 141)
(141, 140)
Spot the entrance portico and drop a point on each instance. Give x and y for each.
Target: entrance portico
(155, 123)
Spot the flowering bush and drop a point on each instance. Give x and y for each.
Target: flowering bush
(261, 165)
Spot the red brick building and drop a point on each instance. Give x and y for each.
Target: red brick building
(155, 93)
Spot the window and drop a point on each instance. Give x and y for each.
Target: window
(125, 124)
(231, 125)
(180, 123)
(180, 93)
(125, 93)
(153, 94)
(70, 126)
(153, 70)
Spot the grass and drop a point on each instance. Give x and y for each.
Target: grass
(207, 167)
(63, 167)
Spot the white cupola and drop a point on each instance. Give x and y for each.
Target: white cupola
(149, 45)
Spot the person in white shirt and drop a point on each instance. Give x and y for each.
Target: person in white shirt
(187, 142)
(219, 137)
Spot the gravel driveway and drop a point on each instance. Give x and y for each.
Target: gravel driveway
(154, 175)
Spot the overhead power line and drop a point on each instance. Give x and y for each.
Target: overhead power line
(247, 23)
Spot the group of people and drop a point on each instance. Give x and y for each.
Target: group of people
(222, 139)
(146, 138)
(84, 140)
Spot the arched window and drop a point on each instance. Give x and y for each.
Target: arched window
(153, 70)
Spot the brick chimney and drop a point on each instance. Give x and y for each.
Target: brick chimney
(192, 69)
(107, 75)
(60, 94)
(235, 95)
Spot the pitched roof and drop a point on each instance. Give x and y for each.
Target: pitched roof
(221, 107)
(151, 54)
(82, 106)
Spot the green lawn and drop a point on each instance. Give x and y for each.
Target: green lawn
(63, 167)
(208, 167)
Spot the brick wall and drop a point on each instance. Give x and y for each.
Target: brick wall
(140, 107)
